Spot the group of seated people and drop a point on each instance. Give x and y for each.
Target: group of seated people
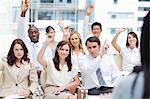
(60, 67)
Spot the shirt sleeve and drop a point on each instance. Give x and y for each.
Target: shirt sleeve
(74, 69)
(86, 30)
(21, 29)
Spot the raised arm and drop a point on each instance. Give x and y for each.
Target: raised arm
(114, 41)
(40, 56)
(21, 22)
(66, 30)
(86, 30)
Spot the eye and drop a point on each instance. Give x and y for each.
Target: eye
(67, 50)
(94, 46)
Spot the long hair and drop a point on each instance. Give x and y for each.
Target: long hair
(68, 58)
(145, 48)
(11, 59)
(80, 40)
(135, 36)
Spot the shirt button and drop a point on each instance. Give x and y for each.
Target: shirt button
(16, 84)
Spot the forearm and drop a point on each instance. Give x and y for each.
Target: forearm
(40, 56)
(86, 30)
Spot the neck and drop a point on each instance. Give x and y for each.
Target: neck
(62, 61)
(132, 47)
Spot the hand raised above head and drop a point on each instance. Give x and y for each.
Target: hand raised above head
(24, 7)
(122, 29)
(89, 9)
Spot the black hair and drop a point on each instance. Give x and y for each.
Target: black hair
(96, 23)
(93, 39)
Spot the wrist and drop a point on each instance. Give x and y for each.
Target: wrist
(23, 13)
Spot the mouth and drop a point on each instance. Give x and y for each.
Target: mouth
(50, 36)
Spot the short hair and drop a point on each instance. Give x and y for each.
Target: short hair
(93, 39)
(96, 23)
(48, 28)
(32, 26)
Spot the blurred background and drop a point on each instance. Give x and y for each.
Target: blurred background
(112, 14)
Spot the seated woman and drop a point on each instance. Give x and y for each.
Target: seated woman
(131, 53)
(62, 77)
(77, 48)
(19, 75)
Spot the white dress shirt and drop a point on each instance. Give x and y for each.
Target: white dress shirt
(33, 48)
(131, 58)
(88, 67)
(75, 58)
(102, 37)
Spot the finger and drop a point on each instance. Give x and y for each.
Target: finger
(23, 1)
(105, 42)
(26, 1)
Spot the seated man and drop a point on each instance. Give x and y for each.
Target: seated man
(98, 71)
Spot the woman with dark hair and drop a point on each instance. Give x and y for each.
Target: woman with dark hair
(19, 75)
(50, 51)
(131, 53)
(136, 85)
(61, 73)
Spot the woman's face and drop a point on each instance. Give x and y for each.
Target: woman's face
(18, 51)
(74, 40)
(132, 40)
(51, 34)
(63, 52)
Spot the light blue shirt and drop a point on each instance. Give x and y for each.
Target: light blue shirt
(124, 88)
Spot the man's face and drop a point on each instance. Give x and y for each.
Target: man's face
(33, 34)
(93, 48)
(96, 31)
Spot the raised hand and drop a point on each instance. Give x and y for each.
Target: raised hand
(48, 40)
(104, 48)
(89, 9)
(24, 7)
(122, 29)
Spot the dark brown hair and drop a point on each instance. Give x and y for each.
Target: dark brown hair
(11, 59)
(135, 36)
(68, 58)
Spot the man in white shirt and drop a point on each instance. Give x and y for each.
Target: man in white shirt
(96, 27)
(32, 42)
(98, 71)
(96, 30)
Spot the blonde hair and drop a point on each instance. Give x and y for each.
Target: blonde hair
(80, 40)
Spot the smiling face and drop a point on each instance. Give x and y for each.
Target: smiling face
(63, 51)
(74, 40)
(33, 34)
(18, 51)
(51, 34)
(132, 40)
(96, 30)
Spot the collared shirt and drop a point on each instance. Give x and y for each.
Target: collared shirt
(75, 59)
(59, 78)
(33, 48)
(88, 67)
(131, 57)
